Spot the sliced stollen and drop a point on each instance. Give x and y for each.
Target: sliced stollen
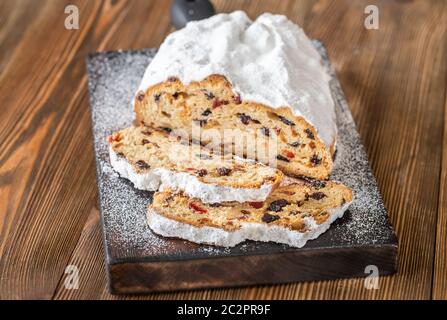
(209, 111)
(153, 160)
(263, 79)
(292, 215)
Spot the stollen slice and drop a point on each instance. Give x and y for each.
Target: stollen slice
(211, 112)
(292, 214)
(155, 160)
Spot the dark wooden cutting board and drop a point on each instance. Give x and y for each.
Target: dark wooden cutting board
(139, 261)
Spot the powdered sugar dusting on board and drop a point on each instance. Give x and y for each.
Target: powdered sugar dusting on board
(368, 220)
(113, 78)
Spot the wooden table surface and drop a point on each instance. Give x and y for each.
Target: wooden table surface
(394, 78)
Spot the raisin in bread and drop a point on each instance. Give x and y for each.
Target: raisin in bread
(211, 112)
(292, 214)
(153, 159)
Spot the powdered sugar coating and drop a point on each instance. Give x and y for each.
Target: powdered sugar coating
(113, 78)
(248, 230)
(149, 181)
(161, 179)
(269, 61)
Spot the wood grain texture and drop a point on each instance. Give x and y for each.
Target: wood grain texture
(47, 164)
(440, 269)
(394, 79)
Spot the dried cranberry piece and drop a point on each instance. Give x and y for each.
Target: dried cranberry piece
(256, 205)
(277, 205)
(267, 218)
(206, 113)
(222, 171)
(315, 160)
(289, 154)
(217, 103)
(282, 158)
(197, 208)
(142, 165)
(286, 121)
(317, 195)
(309, 133)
